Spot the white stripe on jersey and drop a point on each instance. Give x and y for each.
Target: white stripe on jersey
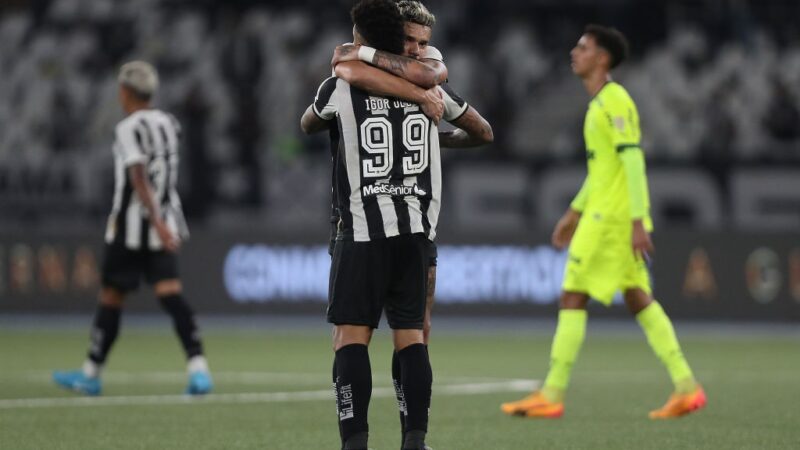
(148, 137)
(414, 208)
(352, 160)
(436, 180)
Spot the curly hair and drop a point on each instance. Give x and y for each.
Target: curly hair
(612, 40)
(380, 23)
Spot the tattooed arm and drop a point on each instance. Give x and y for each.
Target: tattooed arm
(425, 74)
(378, 82)
(473, 131)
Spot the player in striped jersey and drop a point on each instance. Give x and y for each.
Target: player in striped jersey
(388, 187)
(423, 65)
(608, 229)
(144, 232)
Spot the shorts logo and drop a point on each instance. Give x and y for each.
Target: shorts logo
(394, 190)
(574, 259)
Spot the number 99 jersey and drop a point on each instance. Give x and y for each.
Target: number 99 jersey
(387, 166)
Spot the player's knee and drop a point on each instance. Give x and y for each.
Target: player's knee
(636, 300)
(111, 297)
(166, 288)
(404, 338)
(344, 335)
(573, 300)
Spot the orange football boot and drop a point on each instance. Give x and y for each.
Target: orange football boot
(534, 405)
(681, 404)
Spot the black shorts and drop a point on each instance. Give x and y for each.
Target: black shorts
(432, 252)
(368, 277)
(124, 268)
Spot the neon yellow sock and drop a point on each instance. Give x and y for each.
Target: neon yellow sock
(661, 336)
(567, 343)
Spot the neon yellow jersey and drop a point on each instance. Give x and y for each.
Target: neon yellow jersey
(613, 154)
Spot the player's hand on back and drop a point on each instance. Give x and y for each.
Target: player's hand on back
(343, 53)
(642, 244)
(565, 228)
(433, 106)
(170, 241)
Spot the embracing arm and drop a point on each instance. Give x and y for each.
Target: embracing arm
(311, 123)
(473, 131)
(422, 74)
(378, 82)
(425, 74)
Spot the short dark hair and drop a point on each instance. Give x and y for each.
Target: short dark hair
(611, 40)
(381, 24)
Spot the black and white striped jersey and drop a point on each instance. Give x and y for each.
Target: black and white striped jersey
(148, 137)
(387, 167)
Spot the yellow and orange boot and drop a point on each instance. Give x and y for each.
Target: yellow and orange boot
(679, 405)
(535, 405)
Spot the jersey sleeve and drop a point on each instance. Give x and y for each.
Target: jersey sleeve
(454, 105)
(633, 164)
(626, 137)
(432, 52)
(129, 140)
(324, 106)
(623, 122)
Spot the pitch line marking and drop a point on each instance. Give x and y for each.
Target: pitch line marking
(256, 397)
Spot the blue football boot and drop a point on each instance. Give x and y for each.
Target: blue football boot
(76, 381)
(199, 383)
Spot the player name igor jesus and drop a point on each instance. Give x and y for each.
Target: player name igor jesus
(382, 104)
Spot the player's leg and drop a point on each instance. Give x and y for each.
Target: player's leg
(121, 272)
(353, 383)
(586, 273)
(567, 342)
(162, 272)
(548, 402)
(426, 331)
(417, 380)
(170, 296)
(354, 307)
(105, 328)
(405, 312)
(655, 323)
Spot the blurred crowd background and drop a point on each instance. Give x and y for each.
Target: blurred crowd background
(717, 83)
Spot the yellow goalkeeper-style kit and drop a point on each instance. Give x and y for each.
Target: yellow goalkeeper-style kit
(601, 259)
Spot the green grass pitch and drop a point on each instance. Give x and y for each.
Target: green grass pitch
(753, 384)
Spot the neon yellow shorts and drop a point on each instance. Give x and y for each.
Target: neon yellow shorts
(601, 261)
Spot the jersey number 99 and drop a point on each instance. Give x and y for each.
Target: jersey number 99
(377, 140)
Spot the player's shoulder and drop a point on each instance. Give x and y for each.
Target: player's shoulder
(614, 96)
(432, 52)
(329, 84)
(129, 123)
(327, 87)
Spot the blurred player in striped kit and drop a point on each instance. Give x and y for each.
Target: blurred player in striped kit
(144, 232)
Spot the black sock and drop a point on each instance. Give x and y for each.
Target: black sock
(336, 396)
(397, 382)
(185, 326)
(104, 332)
(417, 380)
(353, 392)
